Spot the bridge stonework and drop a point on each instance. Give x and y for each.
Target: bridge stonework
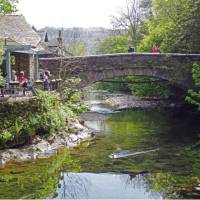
(176, 68)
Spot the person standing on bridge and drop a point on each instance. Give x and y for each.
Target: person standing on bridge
(131, 49)
(154, 49)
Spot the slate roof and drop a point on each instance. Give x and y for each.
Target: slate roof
(16, 28)
(42, 34)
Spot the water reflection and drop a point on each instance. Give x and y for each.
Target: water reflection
(104, 186)
(171, 172)
(73, 186)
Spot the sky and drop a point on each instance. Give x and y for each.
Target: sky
(69, 13)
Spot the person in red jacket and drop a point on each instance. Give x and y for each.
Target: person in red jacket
(22, 79)
(23, 82)
(154, 49)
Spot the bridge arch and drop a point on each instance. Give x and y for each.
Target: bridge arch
(93, 77)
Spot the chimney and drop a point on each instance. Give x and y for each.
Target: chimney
(46, 39)
(59, 34)
(59, 37)
(33, 27)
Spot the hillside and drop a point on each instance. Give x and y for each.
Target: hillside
(90, 36)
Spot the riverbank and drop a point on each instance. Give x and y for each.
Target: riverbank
(122, 101)
(125, 101)
(41, 147)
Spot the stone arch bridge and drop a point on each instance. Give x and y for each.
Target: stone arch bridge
(176, 68)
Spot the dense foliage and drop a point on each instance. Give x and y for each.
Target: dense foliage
(71, 96)
(172, 25)
(194, 96)
(150, 87)
(119, 85)
(143, 86)
(76, 48)
(114, 44)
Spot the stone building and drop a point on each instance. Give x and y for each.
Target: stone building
(24, 45)
(52, 47)
(21, 44)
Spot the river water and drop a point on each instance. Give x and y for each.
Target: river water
(143, 154)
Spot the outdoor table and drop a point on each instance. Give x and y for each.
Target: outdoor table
(58, 82)
(15, 83)
(53, 84)
(14, 86)
(38, 84)
(2, 91)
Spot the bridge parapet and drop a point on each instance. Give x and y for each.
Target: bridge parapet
(175, 68)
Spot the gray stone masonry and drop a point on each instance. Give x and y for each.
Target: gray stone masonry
(176, 68)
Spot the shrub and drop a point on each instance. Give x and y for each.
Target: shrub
(43, 114)
(193, 96)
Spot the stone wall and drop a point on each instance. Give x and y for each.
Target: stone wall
(173, 67)
(53, 65)
(31, 67)
(13, 115)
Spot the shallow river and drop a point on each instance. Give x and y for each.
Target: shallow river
(136, 155)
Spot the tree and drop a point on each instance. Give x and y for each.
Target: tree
(114, 44)
(7, 6)
(76, 48)
(189, 29)
(174, 27)
(146, 7)
(129, 19)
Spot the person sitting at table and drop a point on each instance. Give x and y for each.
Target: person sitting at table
(47, 73)
(13, 75)
(47, 79)
(23, 82)
(22, 79)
